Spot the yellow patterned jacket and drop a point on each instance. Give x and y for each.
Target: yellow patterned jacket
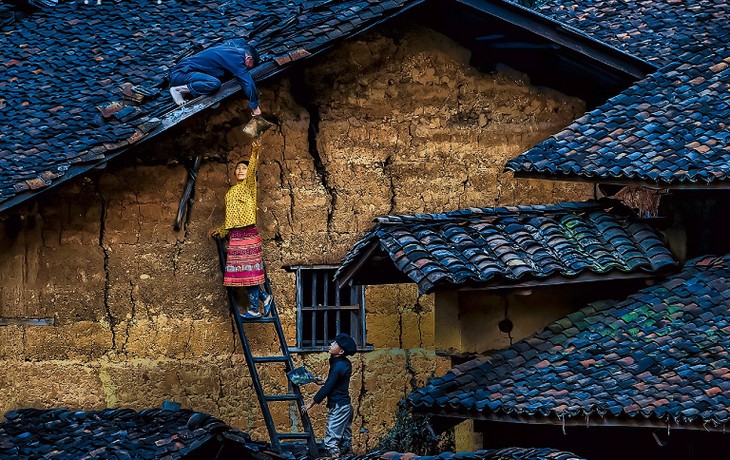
(241, 198)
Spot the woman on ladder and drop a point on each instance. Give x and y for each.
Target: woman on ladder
(244, 260)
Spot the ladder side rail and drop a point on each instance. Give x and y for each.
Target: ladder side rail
(303, 416)
(249, 356)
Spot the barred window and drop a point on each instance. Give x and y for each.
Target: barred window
(323, 310)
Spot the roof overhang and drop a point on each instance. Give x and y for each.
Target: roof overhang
(562, 35)
(442, 420)
(624, 182)
(375, 267)
(558, 280)
(550, 53)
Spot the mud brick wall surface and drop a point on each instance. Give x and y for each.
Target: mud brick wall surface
(394, 122)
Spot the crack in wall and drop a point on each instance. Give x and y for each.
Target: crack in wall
(418, 309)
(183, 386)
(360, 398)
(218, 397)
(107, 275)
(386, 170)
(497, 180)
(464, 185)
(303, 96)
(412, 372)
(176, 257)
(400, 328)
(294, 417)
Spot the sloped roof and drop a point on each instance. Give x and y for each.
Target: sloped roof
(60, 63)
(672, 128)
(478, 246)
(656, 31)
(116, 433)
(510, 453)
(662, 354)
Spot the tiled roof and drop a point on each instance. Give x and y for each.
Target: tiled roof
(61, 66)
(506, 245)
(116, 433)
(655, 30)
(510, 453)
(672, 128)
(661, 354)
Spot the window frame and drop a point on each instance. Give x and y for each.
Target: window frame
(301, 272)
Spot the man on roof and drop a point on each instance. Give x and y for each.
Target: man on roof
(201, 73)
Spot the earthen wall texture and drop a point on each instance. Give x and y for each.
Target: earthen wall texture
(394, 122)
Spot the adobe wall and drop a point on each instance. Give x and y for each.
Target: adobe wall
(467, 322)
(396, 123)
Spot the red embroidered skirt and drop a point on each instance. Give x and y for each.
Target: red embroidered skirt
(244, 263)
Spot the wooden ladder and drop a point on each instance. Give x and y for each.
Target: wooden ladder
(295, 396)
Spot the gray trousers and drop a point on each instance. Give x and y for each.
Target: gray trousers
(339, 430)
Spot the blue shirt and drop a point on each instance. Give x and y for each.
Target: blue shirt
(223, 61)
(337, 386)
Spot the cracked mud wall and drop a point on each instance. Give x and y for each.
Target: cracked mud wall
(395, 122)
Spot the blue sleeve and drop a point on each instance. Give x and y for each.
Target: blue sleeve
(234, 64)
(334, 374)
(249, 87)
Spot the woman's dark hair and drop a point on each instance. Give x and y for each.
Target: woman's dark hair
(242, 162)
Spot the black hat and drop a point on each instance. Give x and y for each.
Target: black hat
(346, 343)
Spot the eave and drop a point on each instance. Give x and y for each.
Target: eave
(723, 185)
(563, 35)
(443, 419)
(358, 273)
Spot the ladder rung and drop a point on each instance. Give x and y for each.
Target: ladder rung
(270, 359)
(266, 319)
(287, 397)
(293, 435)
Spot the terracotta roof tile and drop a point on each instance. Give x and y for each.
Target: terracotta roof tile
(510, 453)
(670, 128)
(656, 31)
(117, 433)
(478, 246)
(56, 70)
(661, 354)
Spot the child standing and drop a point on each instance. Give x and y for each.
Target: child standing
(336, 389)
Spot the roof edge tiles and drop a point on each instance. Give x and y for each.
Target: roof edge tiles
(668, 130)
(658, 358)
(488, 247)
(120, 433)
(565, 35)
